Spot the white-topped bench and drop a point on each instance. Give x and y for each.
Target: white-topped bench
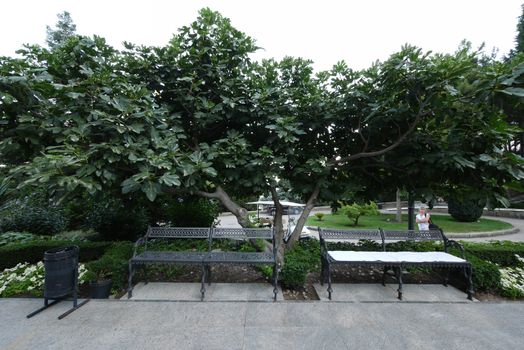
(390, 260)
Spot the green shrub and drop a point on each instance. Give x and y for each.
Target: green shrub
(362, 245)
(32, 252)
(294, 272)
(319, 216)
(298, 262)
(266, 270)
(355, 211)
(113, 264)
(114, 220)
(501, 253)
(191, 212)
(33, 213)
(18, 237)
(486, 276)
(467, 208)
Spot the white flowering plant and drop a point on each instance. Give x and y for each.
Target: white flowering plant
(27, 278)
(512, 280)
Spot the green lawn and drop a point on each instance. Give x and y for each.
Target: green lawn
(385, 221)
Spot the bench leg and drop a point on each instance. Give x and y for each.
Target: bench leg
(322, 270)
(329, 290)
(208, 272)
(130, 281)
(203, 285)
(275, 281)
(399, 276)
(470, 290)
(146, 276)
(384, 273)
(446, 278)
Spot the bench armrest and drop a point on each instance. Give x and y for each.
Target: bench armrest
(452, 243)
(140, 241)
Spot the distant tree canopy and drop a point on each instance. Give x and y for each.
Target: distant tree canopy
(198, 116)
(64, 29)
(519, 39)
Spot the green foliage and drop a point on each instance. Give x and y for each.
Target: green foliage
(266, 270)
(112, 265)
(502, 253)
(466, 208)
(191, 212)
(18, 237)
(32, 213)
(198, 116)
(355, 211)
(32, 252)
(65, 28)
(486, 275)
(298, 262)
(114, 220)
(319, 216)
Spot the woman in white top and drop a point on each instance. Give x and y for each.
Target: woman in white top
(422, 219)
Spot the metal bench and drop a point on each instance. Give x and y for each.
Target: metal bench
(397, 261)
(204, 259)
(250, 258)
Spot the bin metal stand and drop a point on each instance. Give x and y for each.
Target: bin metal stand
(61, 278)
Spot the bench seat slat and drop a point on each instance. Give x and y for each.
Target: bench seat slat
(168, 256)
(394, 257)
(240, 257)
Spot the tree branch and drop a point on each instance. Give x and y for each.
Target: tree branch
(401, 139)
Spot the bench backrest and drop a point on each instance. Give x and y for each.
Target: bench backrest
(178, 232)
(412, 235)
(210, 233)
(380, 235)
(242, 233)
(334, 234)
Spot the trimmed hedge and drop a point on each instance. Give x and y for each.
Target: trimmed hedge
(32, 252)
(486, 276)
(501, 253)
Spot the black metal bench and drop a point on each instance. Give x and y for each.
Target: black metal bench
(204, 259)
(397, 261)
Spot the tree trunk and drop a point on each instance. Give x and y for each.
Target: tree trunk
(240, 213)
(278, 225)
(399, 207)
(411, 211)
(310, 204)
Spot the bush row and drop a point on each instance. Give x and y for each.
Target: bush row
(32, 252)
(501, 253)
(113, 217)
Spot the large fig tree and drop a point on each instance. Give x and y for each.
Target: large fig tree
(197, 116)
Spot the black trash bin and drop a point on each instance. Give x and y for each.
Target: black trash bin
(61, 273)
(60, 278)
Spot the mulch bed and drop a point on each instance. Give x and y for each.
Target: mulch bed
(250, 274)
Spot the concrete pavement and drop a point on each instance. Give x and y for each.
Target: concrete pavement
(113, 324)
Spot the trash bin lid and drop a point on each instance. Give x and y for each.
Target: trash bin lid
(61, 253)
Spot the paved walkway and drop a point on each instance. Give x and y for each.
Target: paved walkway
(516, 237)
(254, 325)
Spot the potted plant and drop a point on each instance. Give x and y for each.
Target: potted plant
(99, 275)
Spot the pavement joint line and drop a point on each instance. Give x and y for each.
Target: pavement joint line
(304, 301)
